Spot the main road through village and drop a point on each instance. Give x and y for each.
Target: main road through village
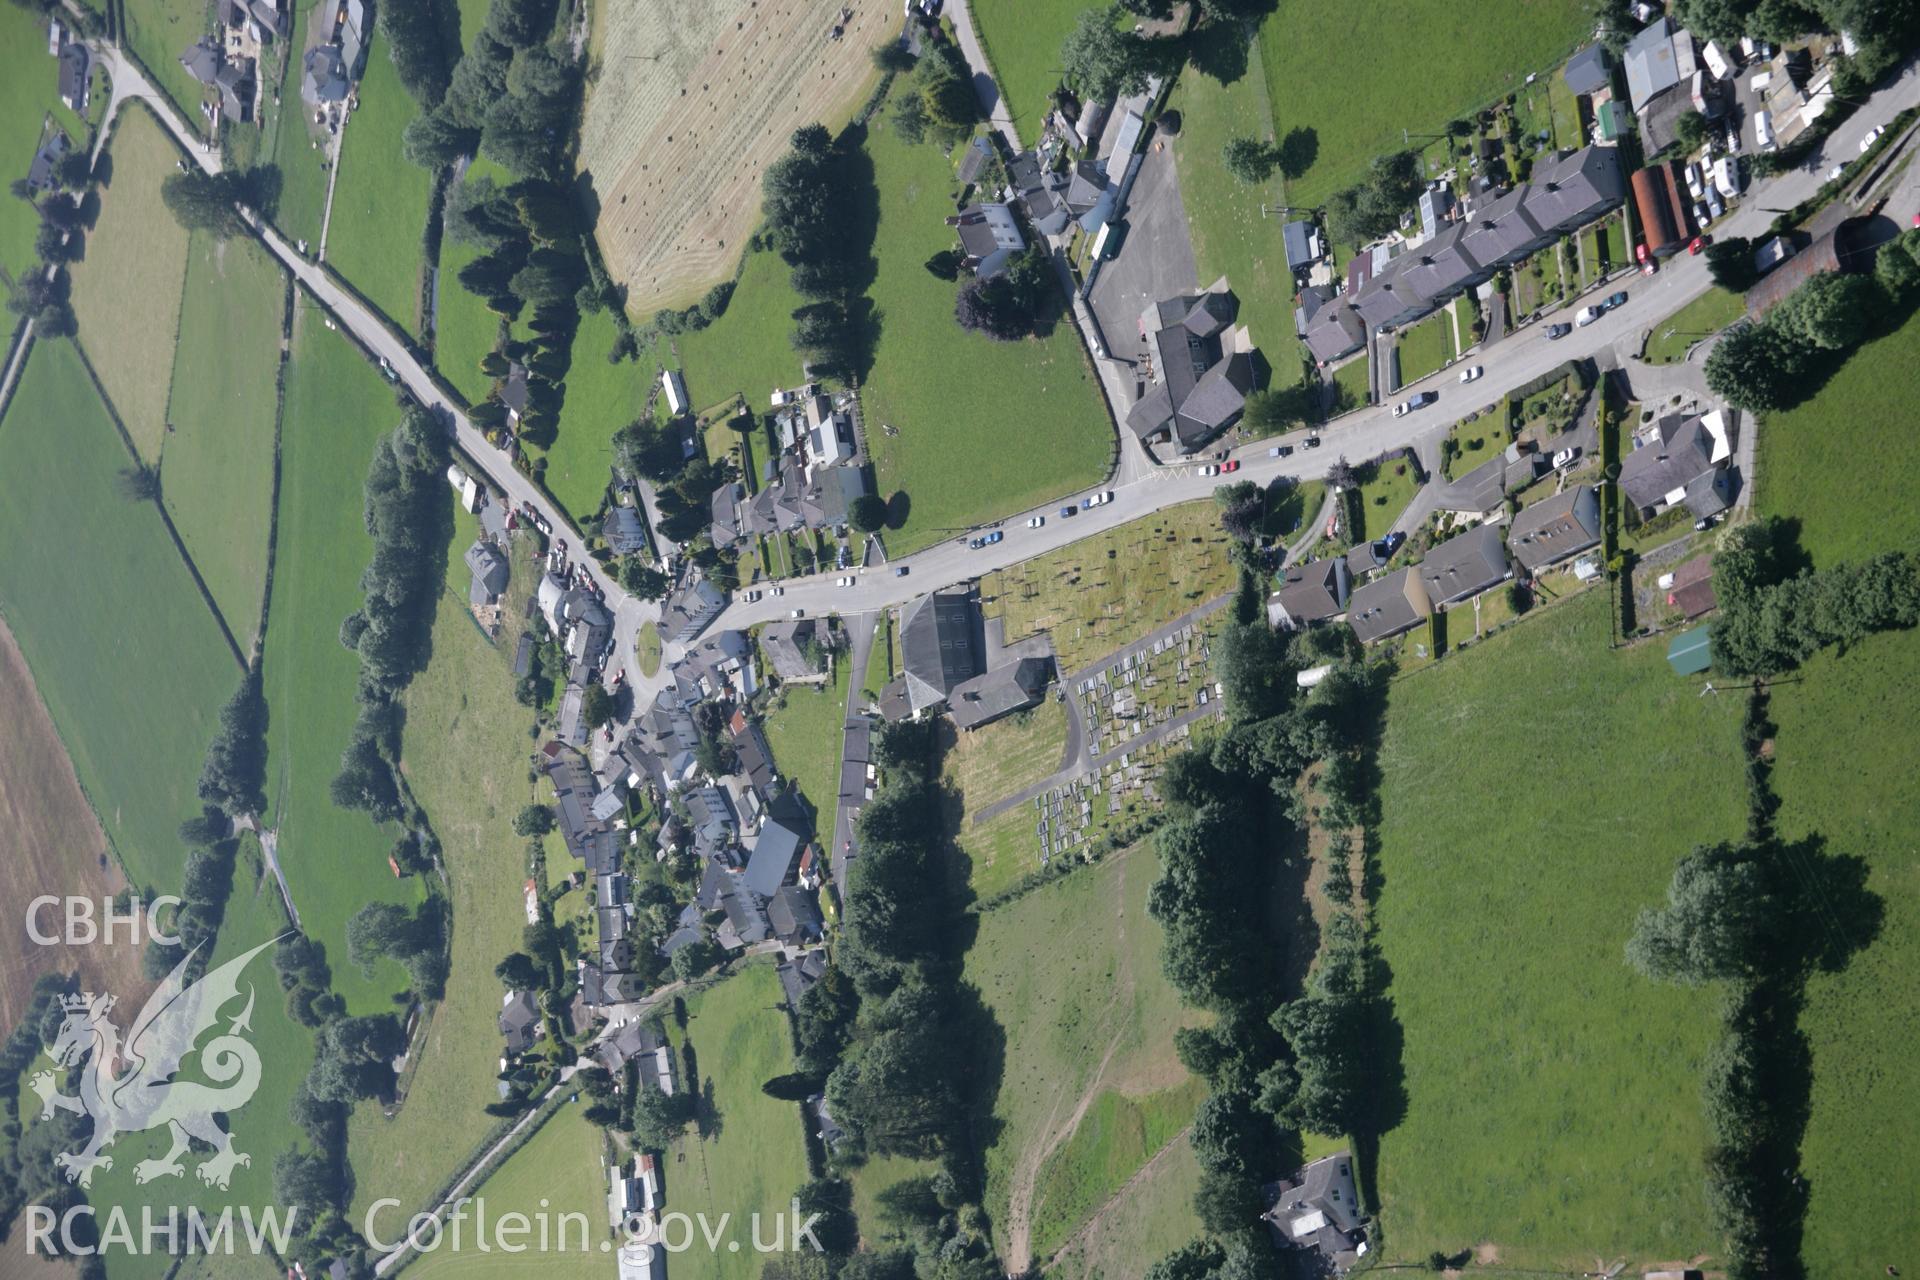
(1140, 485)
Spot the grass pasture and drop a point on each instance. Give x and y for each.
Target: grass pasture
(1096, 594)
(601, 398)
(126, 291)
(29, 94)
(560, 1172)
(335, 860)
(72, 590)
(1022, 39)
(1091, 1088)
(1514, 858)
(288, 144)
(985, 428)
(804, 731)
(380, 198)
(157, 31)
(749, 349)
(1148, 1218)
(223, 406)
(750, 1156)
(1357, 72)
(693, 102)
(465, 759)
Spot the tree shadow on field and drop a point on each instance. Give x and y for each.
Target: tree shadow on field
(1297, 151)
(858, 214)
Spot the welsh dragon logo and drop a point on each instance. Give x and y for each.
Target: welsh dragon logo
(145, 1094)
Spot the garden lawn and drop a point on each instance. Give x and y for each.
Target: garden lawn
(374, 240)
(126, 292)
(1536, 792)
(29, 93)
(986, 428)
(335, 859)
(754, 1157)
(1351, 384)
(224, 407)
(1096, 594)
(466, 760)
(158, 31)
(288, 144)
(805, 732)
(1022, 39)
(601, 398)
(1864, 411)
(1071, 973)
(749, 349)
(129, 659)
(1425, 347)
(1706, 315)
(1861, 801)
(1357, 72)
(1385, 490)
(560, 1173)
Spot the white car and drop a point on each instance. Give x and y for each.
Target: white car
(843, 582)
(1211, 469)
(1098, 499)
(1836, 173)
(1587, 316)
(779, 591)
(1763, 130)
(1473, 373)
(1873, 136)
(751, 596)
(1565, 456)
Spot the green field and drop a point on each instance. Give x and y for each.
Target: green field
(1150, 1218)
(560, 1171)
(1809, 465)
(1865, 1112)
(335, 860)
(1022, 40)
(289, 147)
(158, 32)
(1091, 1087)
(374, 239)
(466, 760)
(126, 292)
(748, 350)
(136, 741)
(1357, 72)
(986, 428)
(1707, 314)
(29, 92)
(218, 460)
(754, 1157)
(804, 733)
(1514, 857)
(601, 399)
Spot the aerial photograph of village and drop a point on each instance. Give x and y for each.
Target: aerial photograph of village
(959, 639)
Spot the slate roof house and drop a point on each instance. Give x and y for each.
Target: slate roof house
(326, 80)
(1464, 566)
(1551, 530)
(519, 1021)
(940, 646)
(775, 850)
(689, 610)
(1574, 189)
(1007, 688)
(1588, 71)
(1334, 330)
(725, 528)
(1681, 459)
(202, 60)
(989, 237)
(1319, 1208)
(1202, 368)
(1311, 593)
(1387, 606)
(797, 976)
(794, 916)
(489, 569)
(785, 644)
(624, 531)
(75, 77)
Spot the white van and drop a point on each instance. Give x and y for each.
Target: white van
(1763, 130)
(1588, 315)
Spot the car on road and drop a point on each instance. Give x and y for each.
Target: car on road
(1565, 456)
(1411, 403)
(1695, 245)
(1230, 465)
(994, 537)
(900, 571)
(798, 613)
(1311, 442)
(843, 582)
(1616, 300)
(1098, 499)
(779, 591)
(751, 596)
(1069, 511)
(1210, 469)
(1280, 451)
(1587, 315)
(1836, 173)
(1558, 331)
(1873, 136)
(1036, 522)
(1473, 373)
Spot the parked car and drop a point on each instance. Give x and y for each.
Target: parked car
(1036, 522)
(843, 582)
(974, 544)
(1587, 315)
(994, 537)
(1230, 465)
(1280, 451)
(1700, 214)
(1069, 511)
(1716, 206)
(1473, 373)
(1565, 456)
(1098, 499)
(779, 591)
(1694, 186)
(750, 596)
(1420, 401)
(1695, 245)
(1209, 470)
(1311, 442)
(1558, 330)
(1836, 173)
(1873, 136)
(1617, 300)
(798, 613)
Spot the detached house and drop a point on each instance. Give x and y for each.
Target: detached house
(989, 237)
(1681, 459)
(1319, 1209)
(1311, 593)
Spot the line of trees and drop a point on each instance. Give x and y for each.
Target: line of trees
(417, 41)
(416, 939)
(512, 97)
(804, 199)
(1775, 613)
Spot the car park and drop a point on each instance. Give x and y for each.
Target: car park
(1693, 179)
(1473, 373)
(1558, 330)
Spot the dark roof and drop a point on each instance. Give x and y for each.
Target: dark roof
(1551, 530)
(1838, 250)
(1300, 238)
(1200, 383)
(1314, 592)
(202, 60)
(1465, 565)
(1574, 189)
(794, 915)
(1691, 591)
(513, 393)
(1387, 606)
(519, 1021)
(1319, 1209)
(1588, 70)
(1335, 330)
(624, 531)
(744, 914)
(939, 646)
(1005, 689)
(774, 852)
(1678, 450)
(488, 566)
(1389, 299)
(1502, 232)
(1441, 267)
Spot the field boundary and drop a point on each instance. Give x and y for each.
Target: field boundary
(180, 546)
(273, 508)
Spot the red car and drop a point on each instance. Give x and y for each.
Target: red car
(1233, 465)
(1695, 245)
(1641, 255)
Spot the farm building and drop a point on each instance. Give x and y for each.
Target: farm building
(675, 388)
